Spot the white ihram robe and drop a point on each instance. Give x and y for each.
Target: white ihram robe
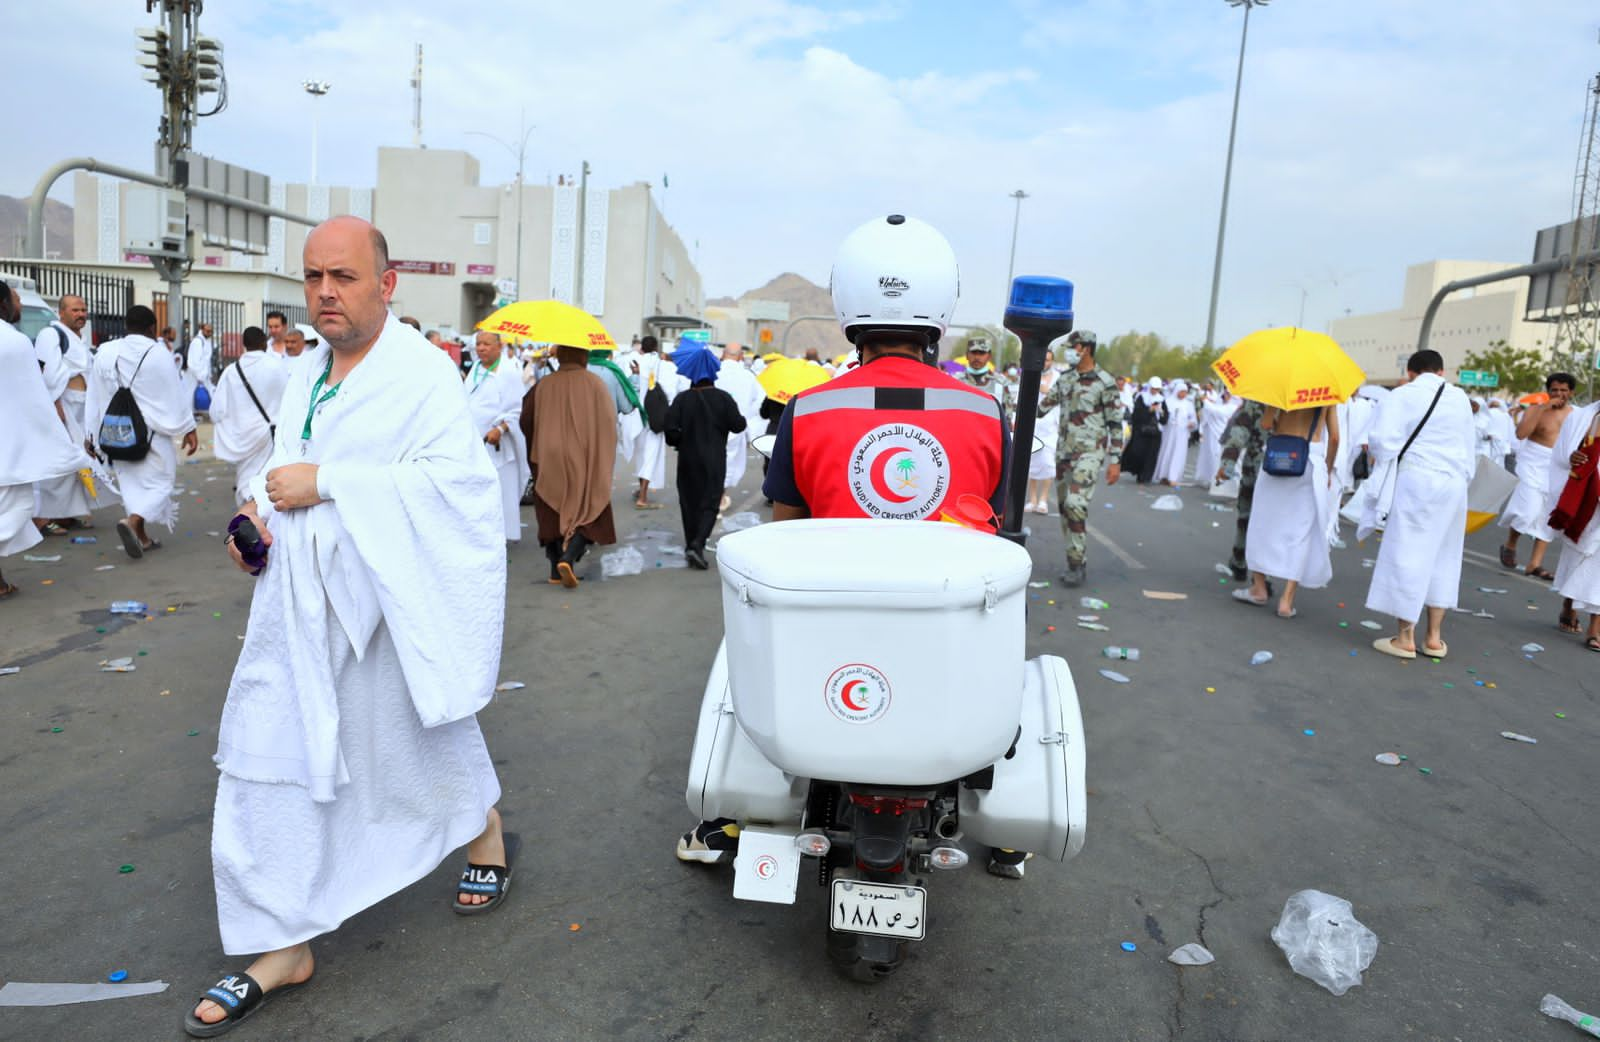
(1287, 535)
(351, 763)
(1528, 509)
(495, 396)
(146, 486)
(1419, 560)
(198, 370)
(241, 434)
(69, 495)
(1174, 455)
(1213, 421)
(34, 445)
(650, 448)
(747, 394)
(1578, 570)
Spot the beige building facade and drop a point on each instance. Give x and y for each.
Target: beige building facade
(1468, 320)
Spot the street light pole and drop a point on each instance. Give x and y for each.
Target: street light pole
(520, 151)
(1016, 221)
(1227, 175)
(315, 88)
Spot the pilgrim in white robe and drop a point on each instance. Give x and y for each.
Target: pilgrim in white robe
(1528, 509)
(1419, 560)
(242, 429)
(78, 494)
(650, 448)
(1214, 419)
(1287, 535)
(34, 444)
(1578, 569)
(747, 394)
(198, 369)
(1174, 455)
(350, 760)
(1502, 431)
(146, 485)
(495, 396)
(1047, 429)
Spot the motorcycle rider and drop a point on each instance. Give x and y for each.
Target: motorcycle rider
(894, 286)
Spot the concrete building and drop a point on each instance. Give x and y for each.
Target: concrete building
(1468, 320)
(454, 242)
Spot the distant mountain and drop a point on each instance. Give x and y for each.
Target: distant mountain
(14, 228)
(804, 297)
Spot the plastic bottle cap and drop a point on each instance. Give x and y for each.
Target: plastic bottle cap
(1211, 690)
(193, 733)
(117, 976)
(1309, 733)
(57, 730)
(1129, 946)
(125, 869)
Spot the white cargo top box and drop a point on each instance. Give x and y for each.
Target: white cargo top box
(885, 652)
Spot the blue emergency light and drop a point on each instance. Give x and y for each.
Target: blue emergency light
(1036, 297)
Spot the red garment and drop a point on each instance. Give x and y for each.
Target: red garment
(1575, 509)
(895, 440)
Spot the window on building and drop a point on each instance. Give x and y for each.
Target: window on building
(480, 233)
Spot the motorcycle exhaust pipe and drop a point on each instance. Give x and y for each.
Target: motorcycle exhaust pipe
(947, 827)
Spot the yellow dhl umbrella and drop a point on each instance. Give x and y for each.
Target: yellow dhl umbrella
(787, 377)
(551, 322)
(1289, 368)
(773, 356)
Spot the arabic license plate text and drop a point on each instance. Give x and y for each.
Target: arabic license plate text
(879, 908)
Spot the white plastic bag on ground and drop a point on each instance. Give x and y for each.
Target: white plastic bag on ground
(1167, 502)
(626, 561)
(1324, 940)
(1192, 955)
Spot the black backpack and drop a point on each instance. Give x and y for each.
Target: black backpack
(655, 406)
(123, 433)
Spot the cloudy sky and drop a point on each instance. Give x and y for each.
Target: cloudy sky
(1373, 134)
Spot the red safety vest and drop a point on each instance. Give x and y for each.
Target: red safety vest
(894, 440)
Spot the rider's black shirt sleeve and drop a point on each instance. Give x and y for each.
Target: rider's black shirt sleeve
(780, 485)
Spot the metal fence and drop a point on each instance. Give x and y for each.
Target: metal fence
(295, 313)
(226, 318)
(108, 296)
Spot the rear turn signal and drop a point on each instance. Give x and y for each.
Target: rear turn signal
(947, 858)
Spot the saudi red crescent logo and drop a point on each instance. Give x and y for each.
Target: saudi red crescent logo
(857, 693)
(898, 472)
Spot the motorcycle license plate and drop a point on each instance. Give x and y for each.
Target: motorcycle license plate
(879, 908)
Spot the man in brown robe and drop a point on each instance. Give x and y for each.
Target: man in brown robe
(570, 422)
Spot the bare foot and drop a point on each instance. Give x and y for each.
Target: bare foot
(488, 849)
(272, 970)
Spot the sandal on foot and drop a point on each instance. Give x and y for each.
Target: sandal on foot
(494, 880)
(51, 528)
(568, 578)
(1508, 558)
(239, 996)
(1291, 613)
(1541, 573)
(1444, 650)
(1568, 622)
(9, 590)
(1387, 646)
(130, 541)
(1242, 595)
(1592, 643)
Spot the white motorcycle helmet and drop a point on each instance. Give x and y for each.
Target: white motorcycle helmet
(895, 273)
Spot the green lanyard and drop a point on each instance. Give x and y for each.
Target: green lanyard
(316, 402)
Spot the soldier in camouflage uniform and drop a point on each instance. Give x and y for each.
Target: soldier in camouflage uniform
(1091, 426)
(979, 375)
(1242, 444)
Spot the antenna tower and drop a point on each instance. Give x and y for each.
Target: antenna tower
(1578, 333)
(416, 101)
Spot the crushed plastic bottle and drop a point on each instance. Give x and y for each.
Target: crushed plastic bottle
(129, 608)
(1098, 627)
(1261, 658)
(1093, 603)
(1167, 502)
(1552, 1006)
(82, 540)
(1113, 676)
(1515, 737)
(42, 558)
(1532, 649)
(1222, 569)
(1124, 654)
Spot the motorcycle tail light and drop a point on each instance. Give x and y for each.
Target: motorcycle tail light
(896, 805)
(948, 858)
(812, 844)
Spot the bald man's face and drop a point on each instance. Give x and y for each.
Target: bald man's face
(74, 313)
(488, 348)
(347, 295)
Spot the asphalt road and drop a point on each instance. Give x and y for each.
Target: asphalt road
(1207, 810)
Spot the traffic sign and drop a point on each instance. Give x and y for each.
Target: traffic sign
(1477, 378)
(765, 336)
(696, 336)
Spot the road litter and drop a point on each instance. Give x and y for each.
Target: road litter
(1550, 1006)
(1309, 733)
(129, 608)
(1389, 759)
(1261, 658)
(82, 540)
(1532, 649)
(1324, 941)
(117, 665)
(1168, 502)
(1098, 627)
(617, 563)
(42, 558)
(16, 993)
(741, 521)
(1222, 569)
(1129, 946)
(1113, 676)
(125, 869)
(1093, 603)
(1122, 654)
(1038, 584)
(1163, 595)
(105, 567)
(510, 685)
(117, 976)
(1491, 589)
(1515, 737)
(1369, 624)
(1192, 954)
(1482, 615)
(1088, 618)
(10, 671)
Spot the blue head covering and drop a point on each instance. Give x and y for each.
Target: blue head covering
(696, 364)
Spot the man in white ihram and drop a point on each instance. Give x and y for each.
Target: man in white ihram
(351, 762)
(494, 394)
(138, 362)
(1419, 560)
(64, 362)
(34, 445)
(197, 362)
(747, 394)
(244, 410)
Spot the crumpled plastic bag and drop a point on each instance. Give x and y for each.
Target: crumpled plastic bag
(741, 521)
(1192, 954)
(1167, 502)
(625, 561)
(1324, 940)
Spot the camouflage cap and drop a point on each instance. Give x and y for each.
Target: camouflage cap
(1083, 336)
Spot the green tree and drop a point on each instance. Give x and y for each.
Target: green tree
(1143, 355)
(1521, 370)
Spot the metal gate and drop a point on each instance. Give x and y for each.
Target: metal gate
(226, 318)
(108, 296)
(295, 313)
